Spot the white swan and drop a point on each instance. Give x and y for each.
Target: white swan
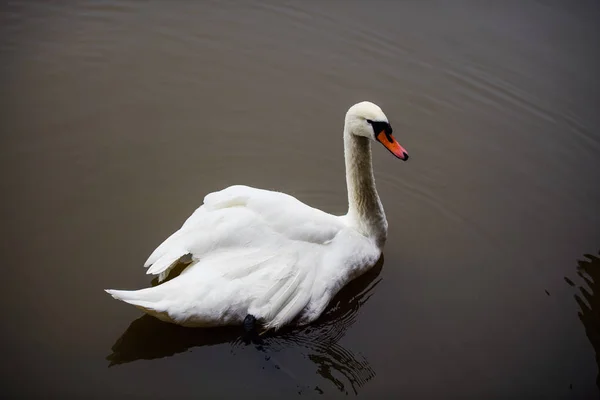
(266, 255)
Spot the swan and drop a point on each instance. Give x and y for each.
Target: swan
(263, 257)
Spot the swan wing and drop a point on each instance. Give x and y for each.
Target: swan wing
(271, 281)
(215, 224)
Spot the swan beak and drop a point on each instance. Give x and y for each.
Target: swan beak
(392, 145)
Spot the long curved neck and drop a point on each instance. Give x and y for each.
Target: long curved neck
(364, 207)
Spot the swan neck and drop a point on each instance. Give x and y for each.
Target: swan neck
(365, 210)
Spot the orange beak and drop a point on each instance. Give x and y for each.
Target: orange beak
(392, 145)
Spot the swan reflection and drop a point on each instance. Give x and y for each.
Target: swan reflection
(148, 338)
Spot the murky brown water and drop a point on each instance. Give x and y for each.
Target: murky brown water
(118, 117)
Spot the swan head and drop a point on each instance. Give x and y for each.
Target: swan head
(366, 119)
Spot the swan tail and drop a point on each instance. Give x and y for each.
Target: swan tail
(147, 300)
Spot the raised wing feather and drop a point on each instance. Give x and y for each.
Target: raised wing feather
(272, 283)
(217, 222)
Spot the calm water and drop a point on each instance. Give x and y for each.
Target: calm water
(117, 117)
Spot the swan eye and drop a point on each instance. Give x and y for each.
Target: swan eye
(381, 126)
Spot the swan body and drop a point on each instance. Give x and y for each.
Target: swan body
(265, 253)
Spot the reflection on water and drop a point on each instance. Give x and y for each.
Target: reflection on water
(589, 301)
(148, 338)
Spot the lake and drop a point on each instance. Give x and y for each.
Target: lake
(118, 117)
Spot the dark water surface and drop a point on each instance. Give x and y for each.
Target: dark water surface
(117, 117)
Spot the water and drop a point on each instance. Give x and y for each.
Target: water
(118, 117)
